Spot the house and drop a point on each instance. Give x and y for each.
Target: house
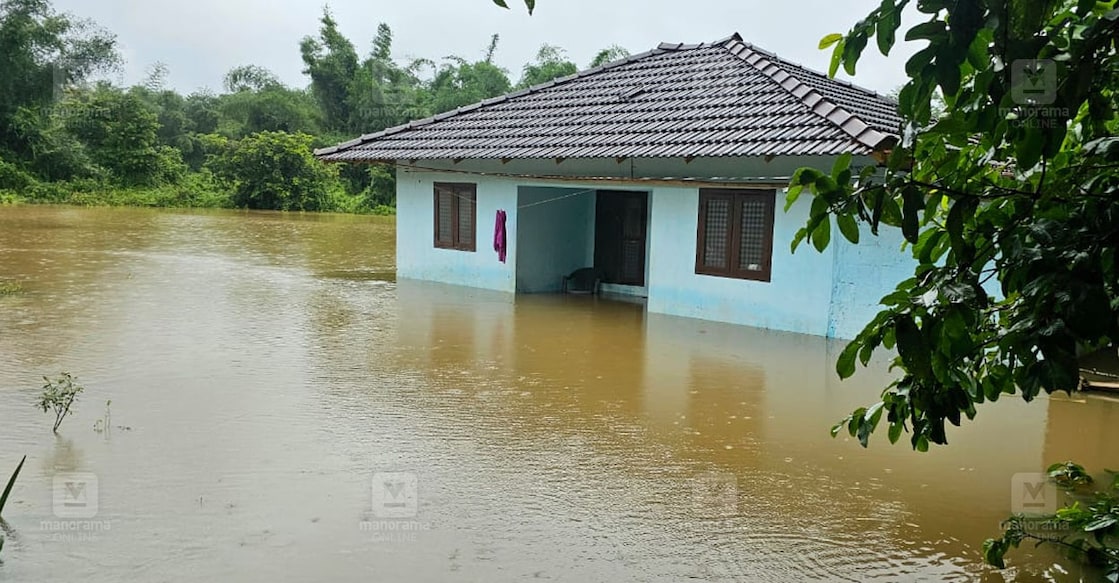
(665, 171)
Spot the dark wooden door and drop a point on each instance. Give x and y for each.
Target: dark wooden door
(621, 229)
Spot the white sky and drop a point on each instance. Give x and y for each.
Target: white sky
(199, 40)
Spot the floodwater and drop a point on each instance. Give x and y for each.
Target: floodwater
(268, 377)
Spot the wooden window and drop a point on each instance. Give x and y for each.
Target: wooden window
(735, 236)
(456, 216)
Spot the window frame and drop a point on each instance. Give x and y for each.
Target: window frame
(459, 191)
(737, 197)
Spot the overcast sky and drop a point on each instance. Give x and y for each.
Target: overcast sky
(199, 40)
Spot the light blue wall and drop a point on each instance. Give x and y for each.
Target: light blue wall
(556, 236)
(795, 300)
(416, 255)
(829, 294)
(864, 274)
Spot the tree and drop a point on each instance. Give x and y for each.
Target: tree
(385, 94)
(1014, 185)
(551, 63)
(121, 134)
(250, 78)
(609, 55)
(43, 54)
(277, 171)
(332, 63)
(459, 82)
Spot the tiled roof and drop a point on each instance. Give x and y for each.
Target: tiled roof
(677, 101)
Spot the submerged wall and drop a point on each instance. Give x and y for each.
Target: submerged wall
(824, 294)
(416, 255)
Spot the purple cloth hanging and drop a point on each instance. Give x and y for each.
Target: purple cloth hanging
(500, 239)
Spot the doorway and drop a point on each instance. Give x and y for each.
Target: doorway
(621, 232)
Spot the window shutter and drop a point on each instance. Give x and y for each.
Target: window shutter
(751, 255)
(466, 236)
(444, 221)
(717, 227)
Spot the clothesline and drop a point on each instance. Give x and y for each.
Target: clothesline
(558, 198)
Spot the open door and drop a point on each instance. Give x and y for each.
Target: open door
(621, 229)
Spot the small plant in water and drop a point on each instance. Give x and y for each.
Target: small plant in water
(58, 396)
(104, 424)
(10, 288)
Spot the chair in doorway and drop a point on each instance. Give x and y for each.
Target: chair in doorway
(582, 281)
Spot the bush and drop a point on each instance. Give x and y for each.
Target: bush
(277, 171)
(13, 178)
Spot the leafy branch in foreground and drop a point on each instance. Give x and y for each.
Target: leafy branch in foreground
(531, 4)
(8, 488)
(1008, 200)
(1088, 529)
(58, 396)
(7, 492)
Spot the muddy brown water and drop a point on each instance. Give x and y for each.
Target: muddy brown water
(268, 377)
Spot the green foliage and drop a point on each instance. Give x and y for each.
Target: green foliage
(531, 4)
(10, 288)
(42, 53)
(551, 63)
(331, 62)
(14, 178)
(1009, 205)
(609, 55)
(277, 171)
(1088, 528)
(121, 134)
(459, 83)
(66, 140)
(58, 396)
(8, 487)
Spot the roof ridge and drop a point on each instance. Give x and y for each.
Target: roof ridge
(500, 99)
(819, 104)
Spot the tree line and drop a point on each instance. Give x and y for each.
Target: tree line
(69, 136)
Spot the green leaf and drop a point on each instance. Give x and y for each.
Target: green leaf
(830, 40)
(849, 227)
(11, 483)
(886, 28)
(895, 431)
(836, 58)
(1101, 523)
(947, 76)
(845, 366)
(842, 163)
(821, 236)
(927, 30)
(1029, 148)
(914, 202)
(792, 196)
(918, 62)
